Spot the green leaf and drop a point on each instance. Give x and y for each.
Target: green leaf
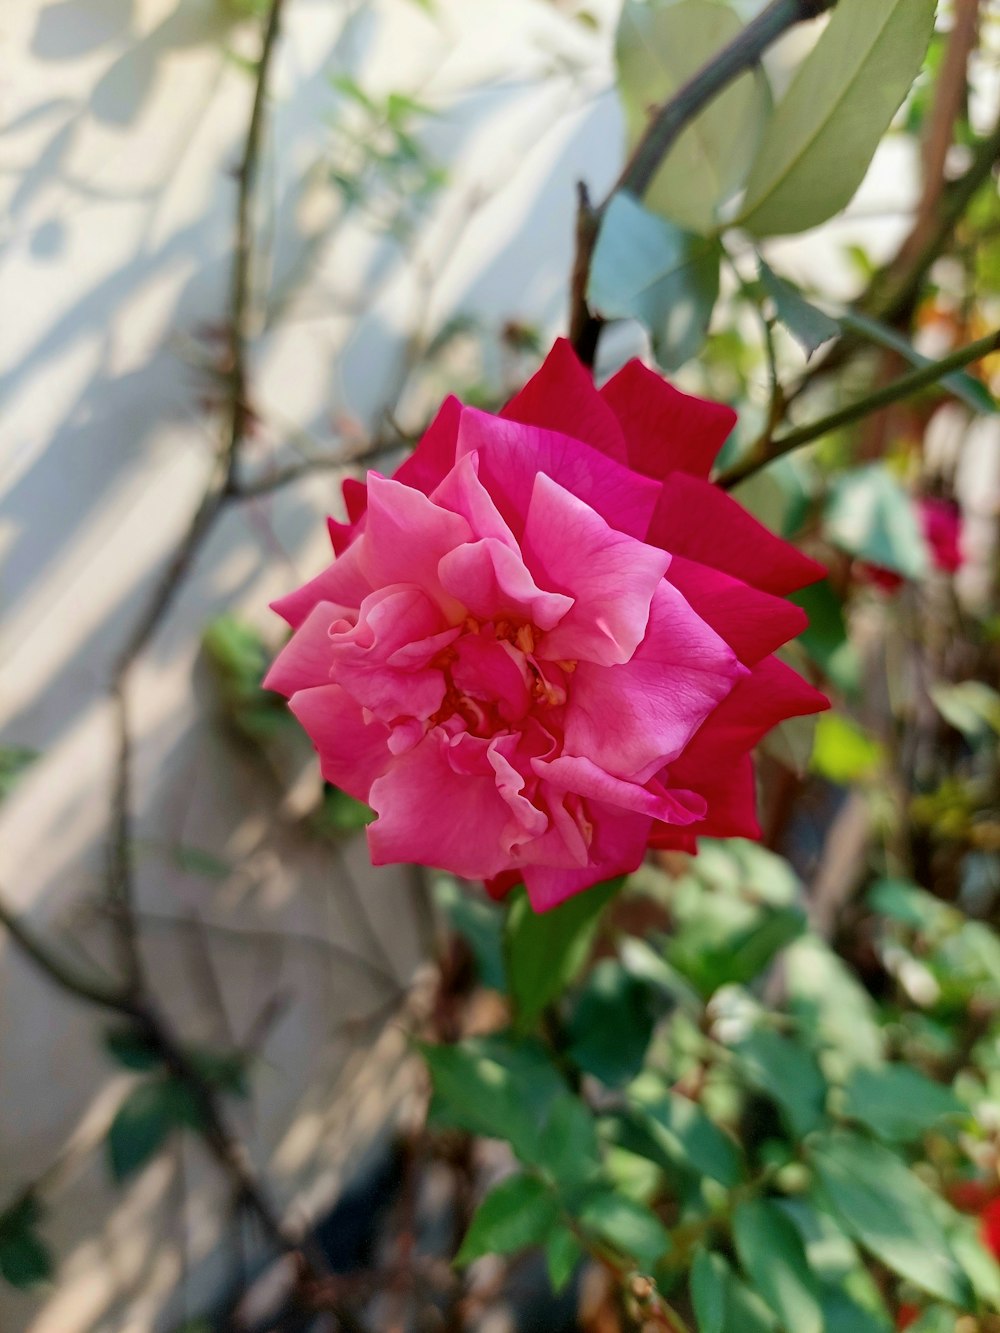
(611, 1024)
(787, 1073)
(682, 1134)
(340, 814)
(842, 752)
(717, 949)
(972, 392)
(897, 1103)
(647, 269)
(568, 1149)
(150, 1112)
(818, 144)
(497, 1087)
(631, 1228)
(546, 950)
(658, 48)
(773, 1257)
(971, 707)
(825, 638)
(518, 1212)
(835, 1012)
(225, 1070)
(745, 1312)
(843, 1314)
(14, 759)
(810, 327)
(891, 1213)
(480, 924)
(870, 516)
(25, 1260)
(132, 1050)
(708, 1291)
(562, 1256)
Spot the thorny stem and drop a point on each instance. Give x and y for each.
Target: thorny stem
(766, 451)
(662, 133)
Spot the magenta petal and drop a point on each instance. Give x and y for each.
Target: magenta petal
(491, 581)
(631, 719)
(430, 814)
(611, 577)
(463, 493)
(512, 455)
(666, 430)
(375, 661)
(618, 848)
(697, 520)
(492, 670)
(561, 396)
(405, 537)
(306, 658)
(352, 752)
(577, 774)
(752, 622)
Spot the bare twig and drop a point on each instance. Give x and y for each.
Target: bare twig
(662, 132)
(766, 451)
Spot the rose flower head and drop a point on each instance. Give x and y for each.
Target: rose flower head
(546, 643)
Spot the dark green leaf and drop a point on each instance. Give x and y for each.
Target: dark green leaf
(788, 1073)
(150, 1112)
(773, 1258)
(567, 1145)
(196, 861)
(647, 269)
(745, 1312)
(891, 1213)
(819, 142)
(340, 814)
(964, 386)
(843, 1314)
(546, 950)
(480, 924)
(658, 48)
(897, 1103)
(132, 1050)
(810, 327)
(708, 1291)
(518, 1212)
(562, 1256)
(225, 1070)
(611, 1024)
(825, 638)
(631, 1228)
(25, 1260)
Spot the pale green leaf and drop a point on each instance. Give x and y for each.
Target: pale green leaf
(630, 1227)
(972, 392)
(658, 48)
(898, 1103)
(818, 144)
(810, 327)
(842, 751)
(774, 1259)
(648, 269)
(870, 516)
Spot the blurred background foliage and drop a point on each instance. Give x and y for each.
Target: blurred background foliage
(759, 1089)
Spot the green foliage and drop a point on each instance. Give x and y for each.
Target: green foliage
(807, 325)
(519, 1212)
(659, 46)
(772, 1255)
(648, 269)
(611, 1023)
(896, 1103)
(823, 134)
(843, 752)
(147, 1117)
(25, 1260)
(546, 950)
(870, 516)
(966, 388)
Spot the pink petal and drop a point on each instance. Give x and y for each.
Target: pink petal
(611, 577)
(463, 493)
(375, 660)
(352, 752)
(697, 520)
(631, 719)
(511, 455)
(491, 670)
(731, 799)
(618, 847)
(430, 814)
(576, 774)
(666, 430)
(306, 659)
(491, 581)
(405, 538)
(752, 622)
(770, 694)
(561, 396)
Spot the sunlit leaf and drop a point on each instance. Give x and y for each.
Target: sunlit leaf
(818, 144)
(773, 1258)
(518, 1212)
(897, 1103)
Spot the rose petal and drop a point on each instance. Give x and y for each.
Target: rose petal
(752, 622)
(666, 430)
(492, 582)
(352, 752)
(561, 396)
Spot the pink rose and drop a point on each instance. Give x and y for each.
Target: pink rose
(545, 642)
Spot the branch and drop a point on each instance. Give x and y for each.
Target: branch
(767, 451)
(85, 985)
(662, 133)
